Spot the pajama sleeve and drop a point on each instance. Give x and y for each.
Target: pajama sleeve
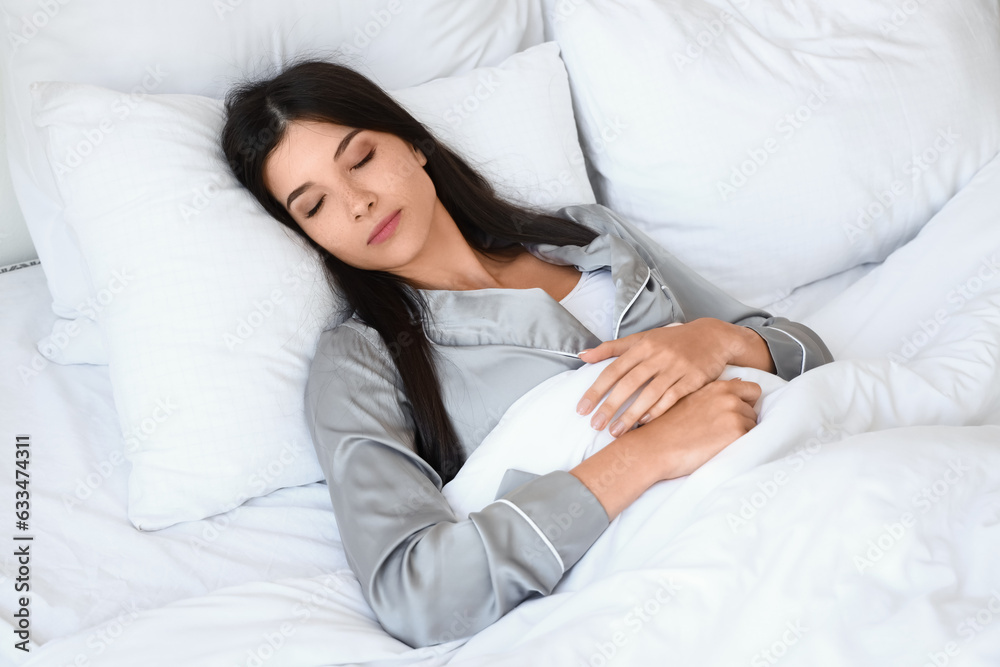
(430, 576)
(794, 347)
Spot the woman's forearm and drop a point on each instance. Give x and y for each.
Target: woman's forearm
(621, 471)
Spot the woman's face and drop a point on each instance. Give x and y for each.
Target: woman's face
(340, 183)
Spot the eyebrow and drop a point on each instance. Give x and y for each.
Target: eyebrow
(336, 156)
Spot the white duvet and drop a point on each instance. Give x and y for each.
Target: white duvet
(857, 524)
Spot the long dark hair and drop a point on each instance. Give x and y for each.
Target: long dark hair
(257, 114)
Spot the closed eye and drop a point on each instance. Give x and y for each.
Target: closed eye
(367, 157)
(315, 209)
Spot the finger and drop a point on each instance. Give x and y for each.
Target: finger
(748, 391)
(740, 419)
(628, 385)
(672, 395)
(608, 377)
(746, 411)
(642, 405)
(607, 349)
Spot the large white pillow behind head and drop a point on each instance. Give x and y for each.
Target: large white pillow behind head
(771, 143)
(214, 309)
(199, 47)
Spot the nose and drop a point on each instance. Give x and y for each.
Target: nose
(362, 204)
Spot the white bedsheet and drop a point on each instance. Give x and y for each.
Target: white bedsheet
(673, 577)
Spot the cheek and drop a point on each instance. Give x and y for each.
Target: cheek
(321, 229)
(410, 174)
(420, 181)
(317, 235)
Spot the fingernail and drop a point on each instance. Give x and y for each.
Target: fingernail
(617, 428)
(584, 351)
(584, 406)
(599, 421)
(645, 418)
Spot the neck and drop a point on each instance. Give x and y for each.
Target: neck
(449, 262)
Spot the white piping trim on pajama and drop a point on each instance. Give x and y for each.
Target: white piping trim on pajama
(804, 352)
(531, 523)
(635, 296)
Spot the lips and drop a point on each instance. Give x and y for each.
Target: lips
(380, 226)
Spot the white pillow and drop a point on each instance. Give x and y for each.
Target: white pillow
(213, 310)
(199, 47)
(771, 143)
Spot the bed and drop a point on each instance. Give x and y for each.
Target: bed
(836, 164)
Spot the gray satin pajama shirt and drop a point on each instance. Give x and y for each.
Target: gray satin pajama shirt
(432, 576)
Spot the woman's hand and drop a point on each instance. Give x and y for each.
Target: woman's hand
(674, 360)
(677, 443)
(702, 424)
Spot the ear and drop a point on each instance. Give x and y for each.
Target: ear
(421, 158)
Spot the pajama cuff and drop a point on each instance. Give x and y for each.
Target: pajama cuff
(794, 348)
(565, 514)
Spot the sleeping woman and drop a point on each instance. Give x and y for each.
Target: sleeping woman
(459, 302)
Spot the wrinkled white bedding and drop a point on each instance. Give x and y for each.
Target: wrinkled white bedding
(857, 524)
(836, 532)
